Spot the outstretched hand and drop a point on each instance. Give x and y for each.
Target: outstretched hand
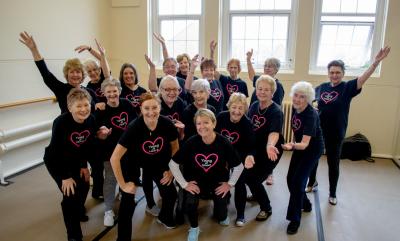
(100, 48)
(249, 54)
(159, 38)
(27, 40)
(148, 60)
(213, 45)
(383, 52)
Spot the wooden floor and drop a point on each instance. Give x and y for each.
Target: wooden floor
(368, 210)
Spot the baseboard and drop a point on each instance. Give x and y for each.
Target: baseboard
(385, 156)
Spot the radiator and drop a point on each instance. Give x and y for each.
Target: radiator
(287, 118)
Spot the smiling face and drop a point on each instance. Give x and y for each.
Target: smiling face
(184, 65)
(80, 110)
(236, 111)
(205, 126)
(270, 69)
(129, 76)
(93, 72)
(299, 100)
(170, 68)
(112, 94)
(208, 73)
(335, 74)
(264, 91)
(75, 77)
(169, 91)
(200, 97)
(234, 70)
(150, 110)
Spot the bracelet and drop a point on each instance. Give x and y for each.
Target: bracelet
(90, 48)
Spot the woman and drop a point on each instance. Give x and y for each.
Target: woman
(153, 140)
(66, 158)
(267, 119)
(207, 67)
(200, 90)
(307, 149)
(206, 160)
(237, 128)
(334, 98)
(73, 73)
(131, 90)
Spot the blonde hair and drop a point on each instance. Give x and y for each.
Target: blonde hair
(73, 64)
(202, 112)
(267, 79)
(237, 98)
(76, 94)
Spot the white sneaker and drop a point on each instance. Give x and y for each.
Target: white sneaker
(109, 218)
(153, 211)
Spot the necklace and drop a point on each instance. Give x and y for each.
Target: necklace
(263, 111)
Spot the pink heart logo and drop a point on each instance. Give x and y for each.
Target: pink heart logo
(79, 138)
(153, 147)
(99, 93)
(174, 117)
(133, 99)
(233, 137)
(329, 96)
(120, 121)
(296, 123)
(258, 121)
(231, 88)
(216, 94)
(206, 162)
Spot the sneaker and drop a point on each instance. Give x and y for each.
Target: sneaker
(240, 222)
(193, 234)
(312, 188)
(270, 180)
(109, 218)
(263, 215)
(166, 224)
(332, 200)
(153, 211)
(292, 227)
(250, 198)
(225, 222)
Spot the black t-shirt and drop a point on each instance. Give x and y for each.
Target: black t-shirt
(264, 122)
(175, 112)
(182, 76)
(216, 98)
(207, 164)
(278, 95)
(240, 134)
(59, 88)
(133, 96)
(96, 88)
(151, 148)
(188, 119)
(230, 86)
(118, 119)
(307, 123)
(334, 106)
(71, 146)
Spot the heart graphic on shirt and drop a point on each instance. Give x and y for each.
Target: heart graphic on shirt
(133, 99)
(153, 147)
(329, 96)
(296, 123)
(258, 121)
(233, 137)
(99, 93)
(120, 121)
(206, 162)
(174, 117)
(231, 88)
(216, 94)
(78, 138)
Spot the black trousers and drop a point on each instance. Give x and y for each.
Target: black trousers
(301, 165)
(125, 214)
(97, 173)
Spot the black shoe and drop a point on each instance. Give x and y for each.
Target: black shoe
(263, 215)
(307, 207)
(98, 197)
(292, 227)
(84, 218)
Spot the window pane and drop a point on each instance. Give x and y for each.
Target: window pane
(264, 51)
(331, 6)
(344, 35)
(167, 29)
(192, 48)
(361, 34)
(192, 30)
(347, 19)
(367, 6)
(279, 49)
(193, 6)
(266, 27)
(165, 7)
(238, 48)
(267, 4)
(328, 34)
(180, 30)
(252, 27)
(237, 4)
(349, 6)
(283, 4)
(252, 4)
(238, 27)
(280, 27)
(179, 7)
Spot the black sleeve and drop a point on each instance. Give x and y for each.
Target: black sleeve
(255, 79)
(49, 79)
(171, 131)
(310, 123)
(233, 158)
(245, 90)
(276, 121)
(352, 88)
(249, 138)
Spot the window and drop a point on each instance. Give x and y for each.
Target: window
(179, 22)
(350, 30)
(266, 26)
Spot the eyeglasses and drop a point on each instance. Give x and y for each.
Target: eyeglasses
(172, 89)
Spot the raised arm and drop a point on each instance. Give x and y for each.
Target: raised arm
(189, 78)
(152, 75)
(378, 58)
(163, 45)
(92, 51)
(250, 68)
(213, 46)
(103, 60)
(29, 42)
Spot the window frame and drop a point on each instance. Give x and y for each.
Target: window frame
(225, 37)
(378, 31)
(154, 26)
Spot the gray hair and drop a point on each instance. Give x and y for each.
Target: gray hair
(267, 79)
(200, 84)
(111, 82)
(273, 61)
(91, 62)
(303, 87)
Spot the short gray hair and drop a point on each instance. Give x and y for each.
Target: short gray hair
(200, 84)
(273, 61)
(304, 87)
(111, 82)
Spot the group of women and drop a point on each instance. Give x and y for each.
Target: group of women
(200, 132)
